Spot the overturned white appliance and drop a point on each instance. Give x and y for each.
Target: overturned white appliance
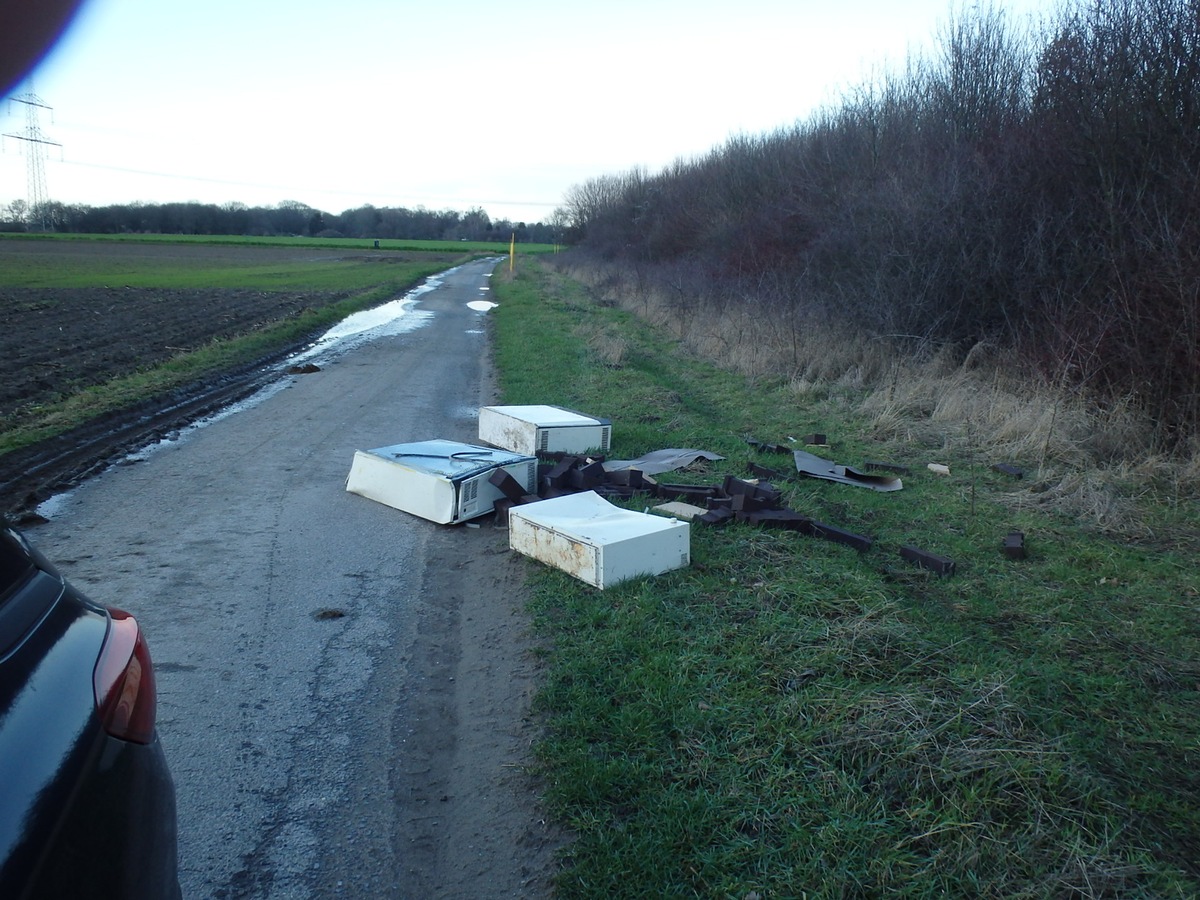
(543, 429)
(599, 543)
(443, 481)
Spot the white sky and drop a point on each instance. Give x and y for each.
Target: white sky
(446, 105)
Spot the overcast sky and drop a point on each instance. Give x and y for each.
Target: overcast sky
(502, 105)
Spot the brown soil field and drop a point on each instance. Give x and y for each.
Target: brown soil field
(56, 341)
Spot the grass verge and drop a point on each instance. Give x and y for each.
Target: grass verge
(788, 717)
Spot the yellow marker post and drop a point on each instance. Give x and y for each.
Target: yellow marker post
(512, 251)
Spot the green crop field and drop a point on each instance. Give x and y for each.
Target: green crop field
(341, 244)
(94, 327)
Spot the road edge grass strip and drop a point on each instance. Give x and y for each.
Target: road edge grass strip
(218, 356)
(790, 716)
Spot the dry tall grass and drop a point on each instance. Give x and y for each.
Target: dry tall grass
(1089, 461)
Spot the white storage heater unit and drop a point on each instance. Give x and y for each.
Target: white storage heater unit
(543, 429)
(599, 543)
(443, 481)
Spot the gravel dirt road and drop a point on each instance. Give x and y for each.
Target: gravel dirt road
(344, 689)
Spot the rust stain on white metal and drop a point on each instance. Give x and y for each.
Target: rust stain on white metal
(596, 541)
(558, 550)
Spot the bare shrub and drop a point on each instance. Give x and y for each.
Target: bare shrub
(1015, 194)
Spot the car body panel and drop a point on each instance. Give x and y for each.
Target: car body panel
(82, 814)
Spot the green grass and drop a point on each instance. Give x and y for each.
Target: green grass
(87, 271)
(788, 717)
(479, 247)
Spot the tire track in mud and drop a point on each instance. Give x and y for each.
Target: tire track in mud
(30, 475)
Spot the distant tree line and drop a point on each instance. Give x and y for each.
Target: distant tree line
(286, 218)
(1037, 189)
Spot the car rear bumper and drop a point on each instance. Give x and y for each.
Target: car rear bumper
(119, 838)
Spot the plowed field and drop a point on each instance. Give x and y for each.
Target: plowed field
(56, 340)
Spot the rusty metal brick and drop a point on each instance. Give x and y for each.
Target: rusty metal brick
(764, 472)
(501, 508)
(732, 486)
(926, 560)
(766, 447)
(715, 517)
(508, 486)
(587, 477)
(749, 503)
(787, 519)
(859, 542)
(559, 476)
(1014, 545)
(692, 493)
(631, 478)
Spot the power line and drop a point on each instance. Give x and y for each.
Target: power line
(36, 171)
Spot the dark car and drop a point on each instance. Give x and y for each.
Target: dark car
(87, 805)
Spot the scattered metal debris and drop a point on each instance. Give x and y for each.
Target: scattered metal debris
(815, 467)
(602, 544)
(660, 461)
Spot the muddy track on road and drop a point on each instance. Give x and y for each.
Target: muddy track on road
(32, 474)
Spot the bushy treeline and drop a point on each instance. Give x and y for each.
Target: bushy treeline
(1036, 189)
(286, 218)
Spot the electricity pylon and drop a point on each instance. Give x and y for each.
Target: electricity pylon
(35, 152)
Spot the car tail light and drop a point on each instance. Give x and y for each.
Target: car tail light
(124, 681)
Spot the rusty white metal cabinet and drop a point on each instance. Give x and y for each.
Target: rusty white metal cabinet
(543, 429)
(443, 481)
(597, 542)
